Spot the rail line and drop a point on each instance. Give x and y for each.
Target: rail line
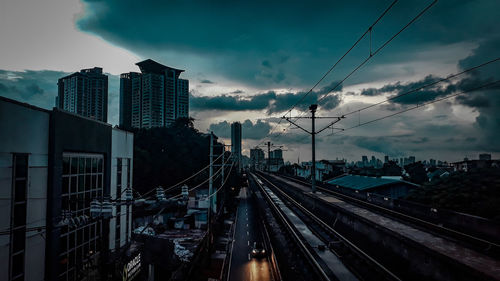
(361, 263)
(477, 243)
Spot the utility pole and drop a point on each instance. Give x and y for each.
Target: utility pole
(313, 134)
(210, 187)
(268, 156)
(211, 171)
(313, 108)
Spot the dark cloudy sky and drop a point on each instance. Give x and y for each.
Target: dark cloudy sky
(249, 61)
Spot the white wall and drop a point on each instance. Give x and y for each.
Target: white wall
(122, 146)
(24, 130)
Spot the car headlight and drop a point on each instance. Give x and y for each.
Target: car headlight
(263, 251)
(254, 251)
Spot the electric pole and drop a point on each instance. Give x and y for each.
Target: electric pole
(268, 156)
(313, 134)
(313, 108)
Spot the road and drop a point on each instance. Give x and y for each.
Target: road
(242, 266)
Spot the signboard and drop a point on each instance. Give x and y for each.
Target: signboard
(132, 268)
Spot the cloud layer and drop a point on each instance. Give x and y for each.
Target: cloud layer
(270, 101)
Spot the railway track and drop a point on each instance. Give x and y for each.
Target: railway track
(361, 264)
(482, 245)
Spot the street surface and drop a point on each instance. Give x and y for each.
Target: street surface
(242, 266)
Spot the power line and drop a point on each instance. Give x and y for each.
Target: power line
(369, 57)
(368, 30)
(418, 106)
(379, 49)
(451, 76)
(183, 181)
(214, 176)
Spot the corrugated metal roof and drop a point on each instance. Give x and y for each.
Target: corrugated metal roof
(361, 182)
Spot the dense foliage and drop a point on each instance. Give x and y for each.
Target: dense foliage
(475, 192)
(165, 156)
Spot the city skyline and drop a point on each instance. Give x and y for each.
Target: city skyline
(249, 140)
(263, 85)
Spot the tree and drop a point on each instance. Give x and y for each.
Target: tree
(164, 156)
(416, 172)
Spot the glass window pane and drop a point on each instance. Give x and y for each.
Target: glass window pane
(99, 181)
(74, 165)
(81, 166)
(100, 168)
(81, 183)
(94, 165)
(88, 166)
(88, 184)
(73, 181)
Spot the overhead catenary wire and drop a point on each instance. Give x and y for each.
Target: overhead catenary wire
(449, 77)
(214, 176)
(379, 49)
(368, 30)
(418, 106)
(371, 55)
(183, 181)
(162, 209)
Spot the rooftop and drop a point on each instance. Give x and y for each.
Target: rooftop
(151, 66)
(362, 182)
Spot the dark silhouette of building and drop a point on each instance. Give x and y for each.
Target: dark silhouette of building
(126, 99)
(84, 93)
(236, 142)
(157, 96)
(485, 156)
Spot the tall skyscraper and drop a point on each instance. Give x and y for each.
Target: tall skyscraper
(126, 99)
(257, 158)
(157, 96)
(236, 142)
(84, 93)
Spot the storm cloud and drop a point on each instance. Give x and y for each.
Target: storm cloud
(252, 45)
(250, 130)
(270, 101)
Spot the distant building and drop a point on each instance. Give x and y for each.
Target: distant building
(467, 165)
(364, 160)
(276, 160)
(484, 156)
(257, 158)
(157, 96)
(52, 177)
(84, 93)
(126, 99)
(236, 143)
(390, 187)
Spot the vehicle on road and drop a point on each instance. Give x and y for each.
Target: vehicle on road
(258, 250)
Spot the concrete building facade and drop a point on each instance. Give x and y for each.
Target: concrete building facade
(236, 143)
(157, 96)
(55, 163)
(84, 93)
(23, 178)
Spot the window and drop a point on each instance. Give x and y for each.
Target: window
(82, 182)
(18, 215)
(119, 169)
